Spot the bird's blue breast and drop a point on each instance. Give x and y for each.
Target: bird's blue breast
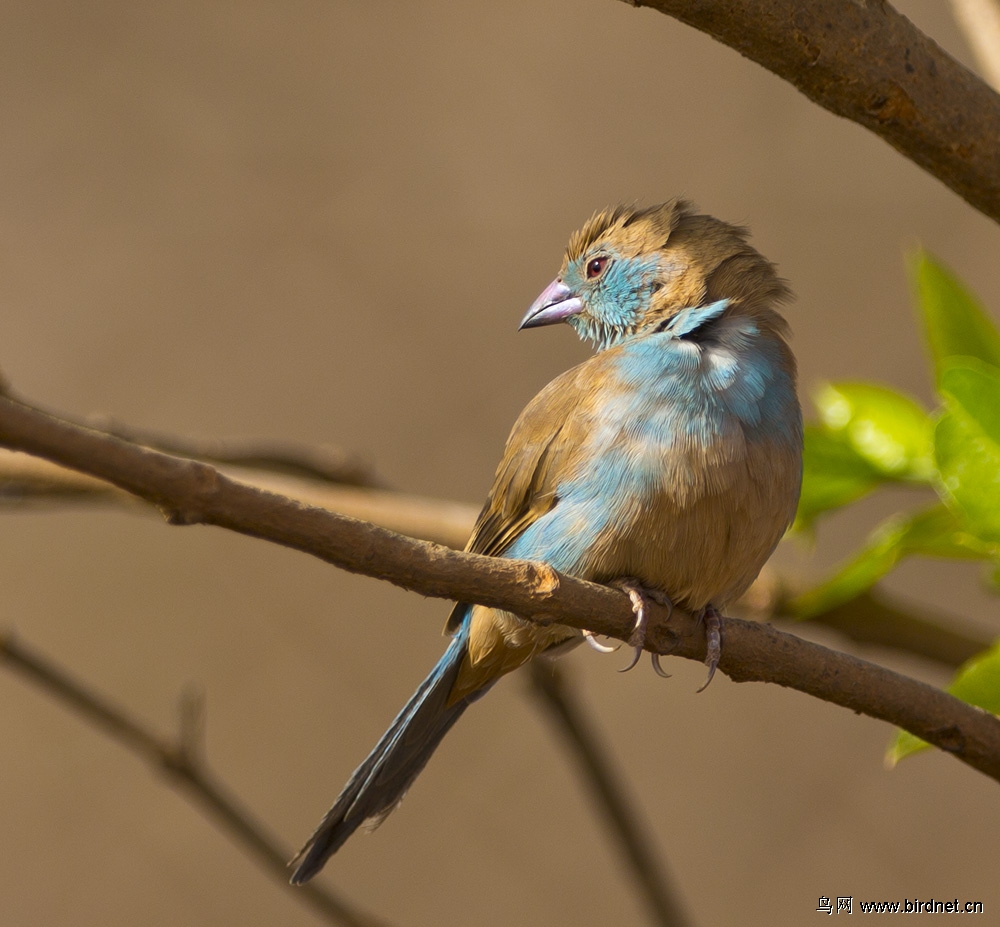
(702, 386)
(665, 407)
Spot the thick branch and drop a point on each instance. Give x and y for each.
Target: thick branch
(180, 762)
(190, 492)
(871, 618)
(863, 60)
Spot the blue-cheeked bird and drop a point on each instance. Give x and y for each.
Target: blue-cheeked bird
(668, 463)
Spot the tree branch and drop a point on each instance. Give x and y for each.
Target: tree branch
(871, 618)
(610, 794)
(27, 480)
(182, 764)
(863, 60)
(328, 464)
(874, 618)
(190, 492)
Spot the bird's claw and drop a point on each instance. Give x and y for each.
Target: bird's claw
(592, 640)
(659, 670)
(636, 653)
(713, 638)
(637, 639)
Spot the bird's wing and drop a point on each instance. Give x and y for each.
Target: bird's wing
(543, 449)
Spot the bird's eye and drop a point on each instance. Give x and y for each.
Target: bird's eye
(596, 267)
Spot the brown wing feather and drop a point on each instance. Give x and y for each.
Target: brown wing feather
(543, 441)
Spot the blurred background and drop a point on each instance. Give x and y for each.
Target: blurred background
(322, 221)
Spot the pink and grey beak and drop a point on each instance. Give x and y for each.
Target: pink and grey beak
(556, 303)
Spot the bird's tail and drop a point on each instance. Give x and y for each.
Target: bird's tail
(381, 781)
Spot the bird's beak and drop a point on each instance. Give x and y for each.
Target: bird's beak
(556, 303)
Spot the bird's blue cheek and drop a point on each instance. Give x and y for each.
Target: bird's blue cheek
(629, 284)
(621, 296)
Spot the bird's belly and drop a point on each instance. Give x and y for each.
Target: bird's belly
(704, 528)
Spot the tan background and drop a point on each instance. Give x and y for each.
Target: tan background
(322, 221)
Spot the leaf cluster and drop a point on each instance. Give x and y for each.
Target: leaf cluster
(870, 436)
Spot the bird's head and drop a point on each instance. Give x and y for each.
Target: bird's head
(629, 270)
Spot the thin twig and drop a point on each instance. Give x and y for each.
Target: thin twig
(874, 618)
(191, 730)
(31, 481)
(327, 464)
(190, 492)
(181, 763)
(863, 60)
(549, 685)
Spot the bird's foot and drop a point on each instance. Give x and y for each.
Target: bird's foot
(641, 596)
(713, 637)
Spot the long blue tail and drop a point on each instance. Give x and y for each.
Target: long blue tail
(381, 781)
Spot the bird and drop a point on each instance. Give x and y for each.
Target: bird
(668, 463)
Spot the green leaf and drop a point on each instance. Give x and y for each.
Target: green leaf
(967, 445)
(976, 682)
(887, 429)
(934, 532)
(954, 322)
(833, 474)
